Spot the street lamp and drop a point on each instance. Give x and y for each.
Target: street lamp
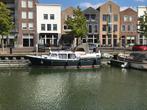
(12, 44)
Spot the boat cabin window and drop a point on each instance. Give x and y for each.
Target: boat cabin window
(54, 55)
(71, 56)
(63, 56)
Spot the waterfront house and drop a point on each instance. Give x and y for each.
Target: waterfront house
(92, 17)
(109, 24)
(48, 24)
(24, 18)
(66, 39)
(128, 27)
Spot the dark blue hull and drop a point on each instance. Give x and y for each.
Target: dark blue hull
(118, 63)
(86, 62)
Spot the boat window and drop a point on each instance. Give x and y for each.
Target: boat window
(63, 56)
(54, 55)
(71, 56)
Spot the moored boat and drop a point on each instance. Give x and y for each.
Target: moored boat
(134, 60)
(139, 61)
(118, 61)
(65, 59)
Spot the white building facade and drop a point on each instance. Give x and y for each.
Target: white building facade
(48, 24)
(141, 11)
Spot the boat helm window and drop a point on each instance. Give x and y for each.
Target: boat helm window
(71, 56)
(63, 56)
(54, 55)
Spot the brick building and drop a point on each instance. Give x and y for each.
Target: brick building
(24, 15)
(66, 38)
(128, 27)
(109, 24)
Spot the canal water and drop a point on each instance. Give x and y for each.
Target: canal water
(105, 88)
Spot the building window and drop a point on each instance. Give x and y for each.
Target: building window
(95, 28)
(23, 4)
(90, 28)
(55, 27)
(115, 40)
(115, 17)
(83, 40)
(129, 27)
(30, 15)
(50, 39)
(125, 18)
(66, 27)
(93, 16)
(108, 18)
(90, 38)
(134, 28)
(115, 28)
(30, 4)
(104, 17)
(123, 40)
(49, 27)
(109, 40)
(95, 38)
(109, 28)
(87, 16)
(104, 28)
(123, 28)
(43, 27)
(128, 18)
(45, 16)
(31, 26)
(28, 40)
(24, 15)
(52, 16)
(24, 26)
(104, 40)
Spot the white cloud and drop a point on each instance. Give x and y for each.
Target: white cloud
(88, 4)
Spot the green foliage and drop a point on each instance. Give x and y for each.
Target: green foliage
(6, 23)
(143, 25)
(77, 23)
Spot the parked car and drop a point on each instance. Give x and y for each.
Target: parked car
(139, 48)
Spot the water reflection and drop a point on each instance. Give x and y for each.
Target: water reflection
(61, 89)
(47, 89)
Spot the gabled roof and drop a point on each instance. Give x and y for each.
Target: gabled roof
(90, 10)
(129, 9)
(69, 8)
(108, 2)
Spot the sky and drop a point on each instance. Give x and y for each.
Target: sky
(95, 3)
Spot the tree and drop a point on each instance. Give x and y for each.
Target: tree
(143, 25)
(77, 24)
(6, 22)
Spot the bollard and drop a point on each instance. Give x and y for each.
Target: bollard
(10, 50)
